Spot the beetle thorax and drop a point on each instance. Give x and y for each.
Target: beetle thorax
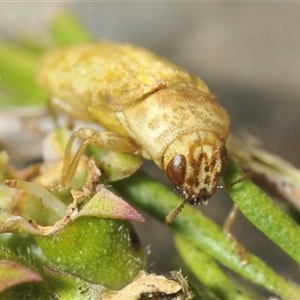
(194, 163)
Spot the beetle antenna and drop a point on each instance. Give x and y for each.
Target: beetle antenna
(173, 214)
(243, 178)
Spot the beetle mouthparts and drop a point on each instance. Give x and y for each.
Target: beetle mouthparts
(203, 200)
(192, 199)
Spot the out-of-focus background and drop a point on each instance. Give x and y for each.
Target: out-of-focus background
(248, 54)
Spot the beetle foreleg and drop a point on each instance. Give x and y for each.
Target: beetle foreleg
(102, 139)
(227, 228)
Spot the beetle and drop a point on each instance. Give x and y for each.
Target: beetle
(149, 106)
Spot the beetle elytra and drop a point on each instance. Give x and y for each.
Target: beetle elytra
(149, 106)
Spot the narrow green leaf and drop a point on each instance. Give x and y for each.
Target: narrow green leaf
(67, 30)
(203, 232)
(18, 69)
(263, 212)
(31, 44)
(207, 270)
(18, 63)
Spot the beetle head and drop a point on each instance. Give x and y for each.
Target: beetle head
(194, 163)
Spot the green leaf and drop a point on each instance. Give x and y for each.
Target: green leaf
(27, 262)
(70, 287)
(207, 270)
(105, 204)
(12, 274)
(102, 251)
(67, 30)
(18, 68)
(115, 165)
(33, 209)
(263, 212)
(158, 200)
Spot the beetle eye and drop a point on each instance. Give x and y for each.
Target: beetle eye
(176, 169)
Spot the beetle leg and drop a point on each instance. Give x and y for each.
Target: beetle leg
(228, 226)
(231, 219)
(102, 139)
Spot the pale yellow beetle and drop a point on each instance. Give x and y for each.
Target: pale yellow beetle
(150, 107)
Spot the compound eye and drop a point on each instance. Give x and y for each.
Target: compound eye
(176, 169)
